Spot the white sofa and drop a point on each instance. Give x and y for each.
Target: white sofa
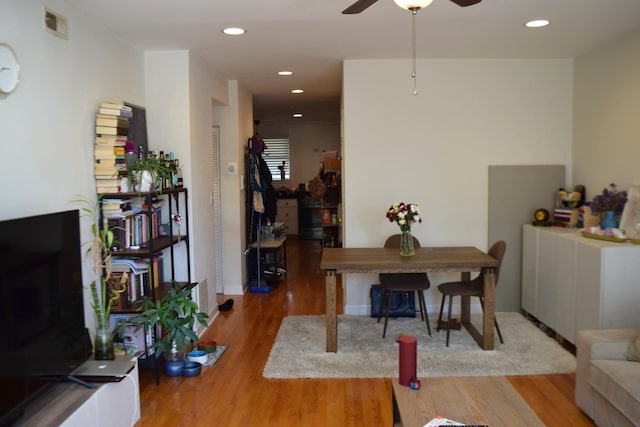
(607, 383)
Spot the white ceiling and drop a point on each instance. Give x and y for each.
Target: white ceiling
(313, 37)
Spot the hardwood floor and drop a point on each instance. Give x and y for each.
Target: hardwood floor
(234, 393)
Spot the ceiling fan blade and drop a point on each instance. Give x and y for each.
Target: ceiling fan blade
(358, 6)
(464, 3)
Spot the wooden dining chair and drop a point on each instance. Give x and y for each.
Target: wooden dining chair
(471, 288)
(403, 282)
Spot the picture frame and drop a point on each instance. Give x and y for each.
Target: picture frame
(134, 339)
(630, 220)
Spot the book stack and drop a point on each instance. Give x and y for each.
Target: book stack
(116, 207)
(112, 127)
(565, 217)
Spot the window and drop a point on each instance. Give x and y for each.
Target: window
(277, 157)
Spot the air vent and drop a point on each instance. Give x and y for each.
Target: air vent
(55, 23)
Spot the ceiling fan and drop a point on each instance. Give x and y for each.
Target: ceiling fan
(361, 5)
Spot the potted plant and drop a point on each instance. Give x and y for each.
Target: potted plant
(610, 203)
(105, 289)
(148, 173)
(176, 313)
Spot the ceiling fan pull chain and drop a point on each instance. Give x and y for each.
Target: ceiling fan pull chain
(414, 12)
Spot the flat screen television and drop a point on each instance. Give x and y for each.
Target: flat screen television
(43, 336)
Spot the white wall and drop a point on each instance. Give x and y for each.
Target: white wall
(236, 126)
(606, 122)
(47, 126)
(307, 142)
(181, 92)
(434, 149)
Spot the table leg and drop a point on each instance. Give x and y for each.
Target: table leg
(486, 339)
(465, 301)
(331, 310)
(489, 308)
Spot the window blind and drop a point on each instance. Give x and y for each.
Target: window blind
(277, 155)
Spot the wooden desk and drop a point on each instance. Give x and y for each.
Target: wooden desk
(490, 401)
(427, 259)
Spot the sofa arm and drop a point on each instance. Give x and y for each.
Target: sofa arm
(608, 344)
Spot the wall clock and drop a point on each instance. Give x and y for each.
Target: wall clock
(9, 69)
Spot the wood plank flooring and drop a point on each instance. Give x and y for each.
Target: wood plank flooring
(234, 393)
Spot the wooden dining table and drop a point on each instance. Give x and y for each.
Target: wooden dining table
(462, 259)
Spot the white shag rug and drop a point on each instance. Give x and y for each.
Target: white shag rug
(299, 349)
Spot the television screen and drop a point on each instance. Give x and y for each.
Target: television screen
(41, 306)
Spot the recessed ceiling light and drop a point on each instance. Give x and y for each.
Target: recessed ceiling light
(297, 91)
(537, 23)
(297, 115)
(233, 31)
(285, 73)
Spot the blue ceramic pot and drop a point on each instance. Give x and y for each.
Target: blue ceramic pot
(609, 220)
(173, 367)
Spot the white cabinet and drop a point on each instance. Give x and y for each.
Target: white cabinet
(570, 282)
(288, 214)
(69, 404)
(112, 405)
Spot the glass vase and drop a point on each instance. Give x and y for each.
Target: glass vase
(609, 220)
(406, 243)
(103, 344)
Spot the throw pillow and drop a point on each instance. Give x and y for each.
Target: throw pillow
(633, 352)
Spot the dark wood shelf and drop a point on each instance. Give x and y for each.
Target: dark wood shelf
(156, 245)
(173, 200)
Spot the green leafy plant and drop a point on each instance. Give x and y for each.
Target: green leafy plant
(102, 298)
(176, 314)
(153, 165)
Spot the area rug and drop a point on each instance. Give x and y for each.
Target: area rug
(213, 357)
(299, 349)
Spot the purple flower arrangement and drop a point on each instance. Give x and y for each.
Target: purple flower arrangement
(610, 200)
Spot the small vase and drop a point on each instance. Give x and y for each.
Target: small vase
(609, 220)
(406, 243)
(103, 344)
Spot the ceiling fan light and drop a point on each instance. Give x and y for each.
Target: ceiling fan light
(413, 4)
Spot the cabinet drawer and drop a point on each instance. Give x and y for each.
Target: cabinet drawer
(287, 203)
(287, 214)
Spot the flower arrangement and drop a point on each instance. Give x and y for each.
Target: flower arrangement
(610, 200)
(404, 214)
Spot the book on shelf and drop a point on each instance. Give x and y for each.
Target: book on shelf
(118, 112)
(111, 140)
(108, 151)
(108, 190)
(110, 130)
(116, 105)
(113, 121)
(105, 169)
(108, 182)
(115, 206)
(106, 160)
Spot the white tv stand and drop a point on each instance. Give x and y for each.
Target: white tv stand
(114, 404)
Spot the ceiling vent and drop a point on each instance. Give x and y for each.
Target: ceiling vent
(55, 23)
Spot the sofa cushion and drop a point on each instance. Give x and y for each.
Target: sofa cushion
(619, 382)
(633, 352)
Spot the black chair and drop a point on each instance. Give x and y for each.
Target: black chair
(472, 288)
(403, 282)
